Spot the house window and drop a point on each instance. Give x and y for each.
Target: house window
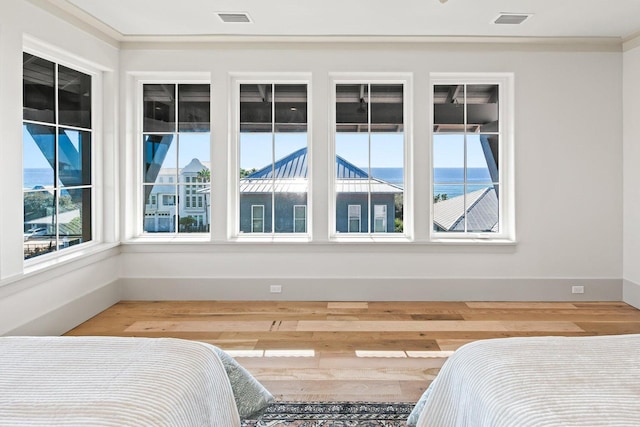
(168, 200)
(370, 154)
(379, 218)
(57, 142)
(353, 220)
(273, 166)
(175, 152)
(470, 151)
(257, 218)
(300, 219)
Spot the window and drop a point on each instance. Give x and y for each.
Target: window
(299, 219)
(370, 156)
(380, 218)
(168, 200)
(273, 166)
(470, 144)
(176, 154)
(257, 218)
(354, 218)
(57, 155)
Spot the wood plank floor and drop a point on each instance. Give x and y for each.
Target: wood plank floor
(353, 351)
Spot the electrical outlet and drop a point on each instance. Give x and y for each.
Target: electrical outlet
(577, 289)
(275, 289)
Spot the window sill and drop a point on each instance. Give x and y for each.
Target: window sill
(35, 266)
(371, 239)
(173, 239)
(473, 241)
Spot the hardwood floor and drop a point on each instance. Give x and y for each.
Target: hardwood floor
(353, 351)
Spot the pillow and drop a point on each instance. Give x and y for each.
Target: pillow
(417, 410)
(251, 397)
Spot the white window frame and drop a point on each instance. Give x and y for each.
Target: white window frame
(253, 218)
(135, 215)
(233, 198)
(304, 217)
(406, 79)
(98, 228)
(349, 216)
(506, 159)
(383, 217)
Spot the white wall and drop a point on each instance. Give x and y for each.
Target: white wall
(631, 167)
(46, 298)
(569, 206)
(568, 128)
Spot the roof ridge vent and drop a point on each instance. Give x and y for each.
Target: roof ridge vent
(234, 17)
(511, 18)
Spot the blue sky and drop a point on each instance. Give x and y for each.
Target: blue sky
(255, 149)
(386, 149)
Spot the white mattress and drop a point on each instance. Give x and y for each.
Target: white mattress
(538, 381)
(107, 381)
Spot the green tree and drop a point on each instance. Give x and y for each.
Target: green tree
(187, 222)
(246, 172)
(440, 197)
(37, 205)
(205, 176)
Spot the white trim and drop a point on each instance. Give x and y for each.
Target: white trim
(445, 43)
(260, 218)
(349, 217)
(506, 157)
(524, 289)
(233, 195)
(60, 57)
(406, 79)
(134, 215)
(304, 207)
(383, 216)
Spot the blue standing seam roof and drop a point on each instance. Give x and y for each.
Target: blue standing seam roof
(295, 165)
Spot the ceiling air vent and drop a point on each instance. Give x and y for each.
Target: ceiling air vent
(511, 18)
(234, 17)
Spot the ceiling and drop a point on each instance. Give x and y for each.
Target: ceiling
(135, 20)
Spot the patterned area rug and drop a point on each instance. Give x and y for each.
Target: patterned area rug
(333, 414)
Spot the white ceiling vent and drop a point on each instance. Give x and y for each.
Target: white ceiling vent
(511, 18)
(234, 17)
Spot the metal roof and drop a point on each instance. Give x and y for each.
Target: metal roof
(481, 214)
(292, 166)
(262, 185)
(364, 186)
(295, 165)
(291, 172)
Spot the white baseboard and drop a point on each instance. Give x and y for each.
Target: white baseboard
(631, 293)
(62, 319)
(372, 289)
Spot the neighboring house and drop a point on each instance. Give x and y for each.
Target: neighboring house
(482, 212)
(160, 209)
(285, 184)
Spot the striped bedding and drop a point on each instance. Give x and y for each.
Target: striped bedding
(108, 381)
(538, 381)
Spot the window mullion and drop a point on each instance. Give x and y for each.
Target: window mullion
(369, 176)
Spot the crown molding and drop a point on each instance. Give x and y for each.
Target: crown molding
(631, 42)
(80, 19)
(590, 44)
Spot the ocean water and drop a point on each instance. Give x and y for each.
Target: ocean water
(34, 178)
(441, 176)
(37, 177)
